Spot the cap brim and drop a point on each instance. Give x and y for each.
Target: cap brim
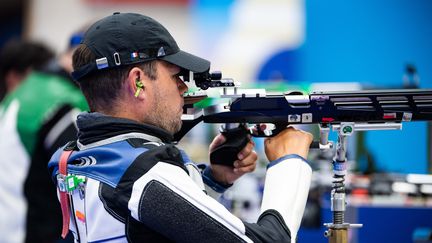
(188, 61)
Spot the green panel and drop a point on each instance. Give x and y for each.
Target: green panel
(40, 95)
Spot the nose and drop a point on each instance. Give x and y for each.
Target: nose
(182, 87)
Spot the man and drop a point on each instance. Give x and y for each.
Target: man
(124, 181)
(17, 59)
(36, 118)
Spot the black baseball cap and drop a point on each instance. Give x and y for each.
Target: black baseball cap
(128, 38)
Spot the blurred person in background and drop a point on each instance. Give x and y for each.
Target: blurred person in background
(35, 119)
(17, 59)
(124, 180)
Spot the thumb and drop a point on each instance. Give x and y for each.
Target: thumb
(217, 141)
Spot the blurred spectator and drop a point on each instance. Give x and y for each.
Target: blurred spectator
(35, 118)
(17, 59)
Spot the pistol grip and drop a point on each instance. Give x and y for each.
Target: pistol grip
(226, 153)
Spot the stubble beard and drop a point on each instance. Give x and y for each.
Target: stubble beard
(164, 116)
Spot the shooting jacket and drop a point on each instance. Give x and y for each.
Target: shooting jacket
(139, 187)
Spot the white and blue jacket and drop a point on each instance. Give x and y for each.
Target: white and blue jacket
(141, 188)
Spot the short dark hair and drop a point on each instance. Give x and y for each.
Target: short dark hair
(103, 88)
(19, 55)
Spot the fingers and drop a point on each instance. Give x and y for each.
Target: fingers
(217, 141)
(246, 165)
(246, 159)
(289, 141)
(290, 133)
(246, 150)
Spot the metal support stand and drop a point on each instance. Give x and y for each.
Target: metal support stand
(338, 230)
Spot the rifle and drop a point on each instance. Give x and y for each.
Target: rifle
(342, 112)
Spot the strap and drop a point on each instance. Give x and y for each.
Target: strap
(64, 197)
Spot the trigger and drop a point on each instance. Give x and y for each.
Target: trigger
(263, 129)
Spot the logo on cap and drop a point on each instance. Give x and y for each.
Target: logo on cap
(102, 63)
(161, 52)
(134, 55)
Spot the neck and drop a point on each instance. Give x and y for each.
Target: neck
(122, 112)
(122, 108)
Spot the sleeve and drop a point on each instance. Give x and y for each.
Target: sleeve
(211, 186)
(286, 190)
(43, 202)
(167, 201)
(60, 129)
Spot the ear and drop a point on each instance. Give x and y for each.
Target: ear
(136, 83)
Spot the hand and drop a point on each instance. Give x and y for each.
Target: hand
(289, 141)
(246, 162)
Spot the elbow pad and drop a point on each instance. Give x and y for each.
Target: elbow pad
(286, 190)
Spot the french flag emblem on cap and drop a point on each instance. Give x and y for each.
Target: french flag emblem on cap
(134, 55)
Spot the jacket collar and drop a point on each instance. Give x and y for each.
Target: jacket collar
(94, 127)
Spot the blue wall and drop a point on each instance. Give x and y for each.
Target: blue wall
(367, 40)
(370, 42)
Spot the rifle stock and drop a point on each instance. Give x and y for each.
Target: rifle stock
(366, 107)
